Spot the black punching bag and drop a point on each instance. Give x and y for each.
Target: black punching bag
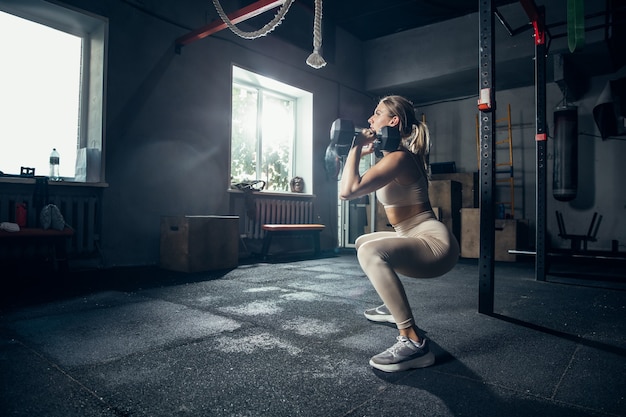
(565, 172)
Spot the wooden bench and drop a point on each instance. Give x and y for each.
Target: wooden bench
(271, 230)
(50, 238)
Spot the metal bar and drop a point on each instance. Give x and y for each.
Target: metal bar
(240, 15)
(574, 255)
(531, 9)
(487, 166)
(537, 17)
(541, 149)
(506, 25)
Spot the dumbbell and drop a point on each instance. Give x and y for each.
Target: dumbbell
(343, 132)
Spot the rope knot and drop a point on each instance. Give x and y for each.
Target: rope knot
(315, 60)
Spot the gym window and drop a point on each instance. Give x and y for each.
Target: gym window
(271, 132)
(52, 83)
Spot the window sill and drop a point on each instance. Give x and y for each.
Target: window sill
(274, 193)
(31, 180)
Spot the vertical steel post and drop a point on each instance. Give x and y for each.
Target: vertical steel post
(541, 140)
(486, 105)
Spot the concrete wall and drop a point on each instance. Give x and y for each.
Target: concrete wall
(437, 68)
(600, 162)
(440, 61)
(168, 117)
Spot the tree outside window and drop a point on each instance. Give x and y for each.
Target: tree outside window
(263, 134)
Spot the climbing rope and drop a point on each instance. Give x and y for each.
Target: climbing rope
(258, 33)
(316, 60)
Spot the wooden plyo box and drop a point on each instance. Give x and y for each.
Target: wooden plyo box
(382, 223)
(507, 236)
(446, 194)
(469, 186)
(199, 243)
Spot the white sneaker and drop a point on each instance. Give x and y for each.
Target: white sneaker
(404, 354)
(379, 314)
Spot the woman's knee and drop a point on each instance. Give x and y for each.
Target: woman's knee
(361, 240)
(368, 237)
(369, 253)
(363, 246)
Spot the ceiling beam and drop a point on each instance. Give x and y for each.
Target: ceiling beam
(536, 19)
(240, 15)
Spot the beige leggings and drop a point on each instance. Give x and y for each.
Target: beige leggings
(420, 247)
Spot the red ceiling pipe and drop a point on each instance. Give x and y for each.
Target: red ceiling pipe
(240, 15)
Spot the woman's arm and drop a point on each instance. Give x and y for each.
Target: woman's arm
(353, 185)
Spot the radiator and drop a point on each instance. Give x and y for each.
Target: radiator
(278, 211)
(81, 213)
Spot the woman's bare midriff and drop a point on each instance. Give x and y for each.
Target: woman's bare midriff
(397, 215)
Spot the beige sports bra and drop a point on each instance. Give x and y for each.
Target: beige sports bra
(395, 194)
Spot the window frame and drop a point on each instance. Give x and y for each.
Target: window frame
(93, 31)
(301, 151)
(261, 97)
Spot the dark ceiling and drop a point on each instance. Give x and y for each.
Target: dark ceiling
(370, 19)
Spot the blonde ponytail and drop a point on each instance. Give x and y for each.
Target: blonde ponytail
(418, 142)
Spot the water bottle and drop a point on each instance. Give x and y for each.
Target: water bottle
(54, 165)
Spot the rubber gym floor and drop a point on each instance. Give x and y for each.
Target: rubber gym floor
(288, 338)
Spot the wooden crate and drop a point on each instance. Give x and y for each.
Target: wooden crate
(199, 243)
(469, 186)
(446, 194)
(508, 235)
(382, 223)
